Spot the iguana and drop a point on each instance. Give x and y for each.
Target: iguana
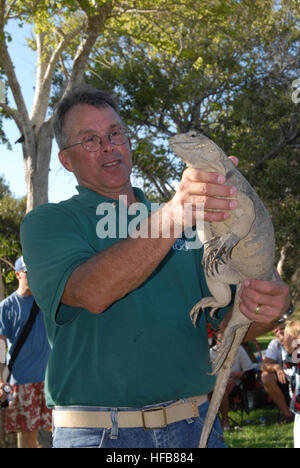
(239, 248)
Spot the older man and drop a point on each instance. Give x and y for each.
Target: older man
(124, 351)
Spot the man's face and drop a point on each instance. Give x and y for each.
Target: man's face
(22, 277)
(279, 333)
(106, 171)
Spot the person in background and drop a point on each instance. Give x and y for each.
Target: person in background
(291, 366)
(27, 411)
(241, 365)
(273, 377)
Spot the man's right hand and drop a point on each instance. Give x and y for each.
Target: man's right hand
(210, 197)
(280, 374)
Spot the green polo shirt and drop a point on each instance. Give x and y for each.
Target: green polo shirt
(144, 348)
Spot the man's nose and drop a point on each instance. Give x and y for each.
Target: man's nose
(106, 144)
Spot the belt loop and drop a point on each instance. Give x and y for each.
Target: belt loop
(114, 421)
(189, 420)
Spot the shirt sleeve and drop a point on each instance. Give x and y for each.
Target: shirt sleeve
(274, 351)
(53, 246)
(245, 361)
(5, 328)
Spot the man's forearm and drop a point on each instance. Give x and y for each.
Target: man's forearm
(255, 330)
(118, 270)
(258, 329)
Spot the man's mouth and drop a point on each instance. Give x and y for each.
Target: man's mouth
(111, 163)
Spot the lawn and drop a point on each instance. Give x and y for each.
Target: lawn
(260, 429)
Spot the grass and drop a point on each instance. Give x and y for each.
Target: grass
(252, 434)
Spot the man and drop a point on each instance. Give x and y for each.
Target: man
(117, 307)
(273, 376)
(27, 412)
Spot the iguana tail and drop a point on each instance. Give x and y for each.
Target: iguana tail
(221, 384)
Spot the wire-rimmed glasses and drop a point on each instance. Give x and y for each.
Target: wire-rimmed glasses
(93, 143)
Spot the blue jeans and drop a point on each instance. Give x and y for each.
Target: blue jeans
(182, 434)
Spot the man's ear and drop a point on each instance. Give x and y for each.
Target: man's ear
(18, 276)
(65, 160)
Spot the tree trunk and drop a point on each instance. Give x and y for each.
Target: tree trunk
(37, 152)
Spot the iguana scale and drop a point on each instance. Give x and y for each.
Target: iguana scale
(236, 249)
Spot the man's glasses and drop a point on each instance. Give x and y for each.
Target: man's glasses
(93, 143)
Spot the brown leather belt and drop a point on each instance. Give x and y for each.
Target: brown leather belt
(152, 418)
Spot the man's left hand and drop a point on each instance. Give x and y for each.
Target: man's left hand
(264, 301)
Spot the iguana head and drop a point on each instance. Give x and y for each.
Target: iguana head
(195, 149)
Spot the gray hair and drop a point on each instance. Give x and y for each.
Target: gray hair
(79, 95)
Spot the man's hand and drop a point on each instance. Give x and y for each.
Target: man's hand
(211, 198)
(280, 374)
(272, 296)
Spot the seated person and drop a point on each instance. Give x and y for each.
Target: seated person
(273, 377)
(291, 365)
(241, 365)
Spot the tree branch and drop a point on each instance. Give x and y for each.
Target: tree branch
(284, 141)
(13, 113)
(45, 72)
(22, 118)
(95, 25)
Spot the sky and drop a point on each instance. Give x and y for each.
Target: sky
(61, 183)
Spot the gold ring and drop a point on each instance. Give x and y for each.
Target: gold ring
(257, 309)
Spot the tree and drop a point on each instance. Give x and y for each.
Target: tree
(53, 34)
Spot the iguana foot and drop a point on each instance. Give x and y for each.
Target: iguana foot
(217, 251)
(205, 302)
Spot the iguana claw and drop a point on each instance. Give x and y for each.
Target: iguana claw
(203, 304)
(216, 249)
